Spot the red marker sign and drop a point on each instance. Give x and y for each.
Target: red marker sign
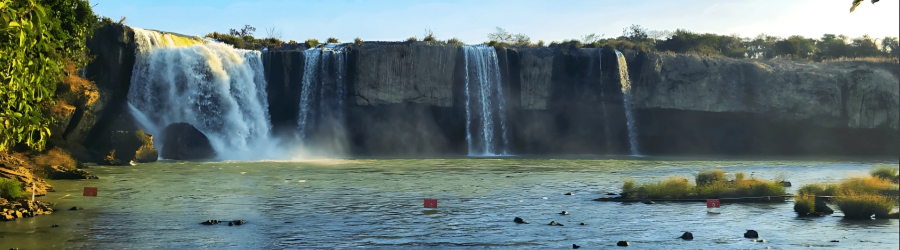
(430, 203)
(711, 203)
(90, 191)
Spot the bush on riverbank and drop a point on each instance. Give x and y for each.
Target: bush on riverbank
(56, 157)
(863, 205)
(11, 189)
(710, 184)
(886, 173)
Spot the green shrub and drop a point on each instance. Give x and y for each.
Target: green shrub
(674, 188)
(759, 188)
(865, 185)
(629, 189)
(805, 204)
(332, 40)
(11, 189)
(540, 43)
(455, 41)
(886, 173)
(412, 39)
(312, 42)
(710, 177)
(863, 206)
(358, 41)
(429, 38)
(713, 190)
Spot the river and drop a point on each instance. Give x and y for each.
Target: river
(378, 203)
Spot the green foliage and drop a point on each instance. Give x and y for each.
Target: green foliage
(358, 41)
(501, 36)
(863, 206)
(805, 204)
(412, 39)
(36, 38)
(710, 177)
(674, 188)
(332, 40)
(11, 189)
(713, 184)
(455, 41)
(818, 189)
(243, 38)
(886, 173)
(312, 42)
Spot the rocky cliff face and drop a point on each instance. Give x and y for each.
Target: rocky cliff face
(836, 94)
(407, 98)
(767, 107)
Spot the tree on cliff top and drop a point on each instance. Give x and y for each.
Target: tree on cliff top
(502, 36)
(37, 37)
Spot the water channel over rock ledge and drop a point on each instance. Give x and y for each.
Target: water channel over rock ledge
(377, 203)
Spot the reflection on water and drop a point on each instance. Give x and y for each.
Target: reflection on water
(378, 203)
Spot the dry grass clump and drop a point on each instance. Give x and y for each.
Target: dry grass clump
(56, 157)
(805, 204)
(358, 41)
(412, 39)
(863, 205)
(332, 40)
(862, 197)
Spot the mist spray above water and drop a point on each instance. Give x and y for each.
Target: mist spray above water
(212, 86)
(485, 104)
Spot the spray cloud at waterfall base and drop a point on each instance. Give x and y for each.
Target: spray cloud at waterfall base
(320, 122)
(212, 86)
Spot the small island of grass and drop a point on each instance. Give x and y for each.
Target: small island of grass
(707, 185)
(856, 197)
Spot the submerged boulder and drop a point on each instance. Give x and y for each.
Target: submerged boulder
(751, 234)
(182, 141)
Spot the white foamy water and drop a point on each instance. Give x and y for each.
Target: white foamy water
(212, 86)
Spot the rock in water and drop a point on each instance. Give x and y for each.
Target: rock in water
(554, 223)
(622, 243)
(564, 213)
(238, 222)
(210, 222)
(648, 202)
(751, 234)
(520, 220)
(182, 141)
(687, 236)
(575, 246)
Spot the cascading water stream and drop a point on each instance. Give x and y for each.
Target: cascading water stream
(210, 85)
(323, 90)
(626, 101)
(485, 103)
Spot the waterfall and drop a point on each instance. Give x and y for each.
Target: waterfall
(323, 93)
(626, 101)
(210, 85)
(485, 102)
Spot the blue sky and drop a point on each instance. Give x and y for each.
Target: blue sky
(472, 20)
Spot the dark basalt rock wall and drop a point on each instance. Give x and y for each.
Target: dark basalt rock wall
(407, 99)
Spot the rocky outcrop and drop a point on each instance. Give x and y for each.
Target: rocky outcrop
(113, 49)
(12, 166)
(12, 210)
(415, 72)
(835, 94)
(182, 141)
(702, 105)
(61, 173)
